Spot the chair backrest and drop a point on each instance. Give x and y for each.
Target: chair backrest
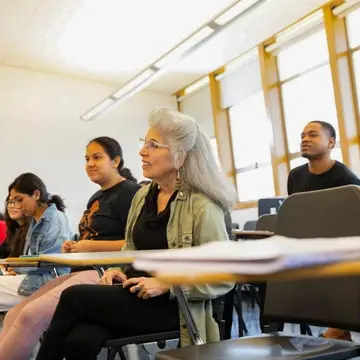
(250, 225)
(267, 222)
(269, 205)
(331, 302)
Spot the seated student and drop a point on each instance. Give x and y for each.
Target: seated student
(317, 140)
(321, 172)
(2, 228)
(48, 228)
(183, 207)
(16, 229)
(102, 228)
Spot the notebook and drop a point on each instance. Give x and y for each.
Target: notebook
(251, 257)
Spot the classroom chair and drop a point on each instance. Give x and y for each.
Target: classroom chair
(326, 213)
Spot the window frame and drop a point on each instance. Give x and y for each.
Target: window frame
(256, 164)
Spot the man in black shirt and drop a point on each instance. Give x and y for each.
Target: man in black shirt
(317, 140)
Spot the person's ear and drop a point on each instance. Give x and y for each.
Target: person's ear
(179, 159)
(116, 162)
(36, 195)
(332, 143)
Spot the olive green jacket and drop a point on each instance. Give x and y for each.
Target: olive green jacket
(194, 220)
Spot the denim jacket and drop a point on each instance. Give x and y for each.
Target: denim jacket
(194, 220)
(44, 237)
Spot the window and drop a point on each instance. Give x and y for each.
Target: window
(255, 184)
(251, 139)
(353, 26)
(353, 29)
(306, 98)
(303, 55)
(356, 62)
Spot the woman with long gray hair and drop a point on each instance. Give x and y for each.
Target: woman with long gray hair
(184, 206)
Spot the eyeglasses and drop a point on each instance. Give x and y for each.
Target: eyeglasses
(151, 144)
(14, 202)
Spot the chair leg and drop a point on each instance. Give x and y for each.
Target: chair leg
(238, 305)
(252, 296)
(114, 351)
(189, 320)
(305, 330)
(228, 312)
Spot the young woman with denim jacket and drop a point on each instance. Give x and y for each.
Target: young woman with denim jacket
(183, 207)
(102, 228)
(48, 228)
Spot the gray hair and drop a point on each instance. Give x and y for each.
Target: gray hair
(191, 149)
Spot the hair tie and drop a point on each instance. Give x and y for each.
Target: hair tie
(49, 196)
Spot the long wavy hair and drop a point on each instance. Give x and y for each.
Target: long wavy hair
(15, 235)
(190, 147)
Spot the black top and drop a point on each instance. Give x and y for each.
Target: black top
(107, 212)
(149, 231)
(301, 179)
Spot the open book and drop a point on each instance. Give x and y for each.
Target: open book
(251, 257)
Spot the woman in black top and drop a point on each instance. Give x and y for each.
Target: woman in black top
(102, 228)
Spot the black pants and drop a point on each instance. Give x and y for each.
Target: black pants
(88, 315)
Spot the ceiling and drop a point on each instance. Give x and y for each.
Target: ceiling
(111, 41)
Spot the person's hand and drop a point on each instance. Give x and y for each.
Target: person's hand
(10, 272)
(81, 246)
(146, 287)
(113, 275)
(66, 246)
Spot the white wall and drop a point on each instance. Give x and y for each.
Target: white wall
(41, 130)
(242, 216)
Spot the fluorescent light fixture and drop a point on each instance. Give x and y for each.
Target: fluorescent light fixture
(345, 8)
(135, 82)
(239, 62)
(99, 108)
(175, 54)
(308, 24)
(139, 87)
(156, 69)
(234, 11)
(197, 85)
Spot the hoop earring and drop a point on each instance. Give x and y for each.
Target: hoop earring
(179, 178)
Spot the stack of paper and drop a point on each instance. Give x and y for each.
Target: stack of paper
(251, 257)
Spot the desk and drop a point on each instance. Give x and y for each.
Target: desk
(111, 258)
(114, 258)
(19, 262)
(252, 234)
(348, 268)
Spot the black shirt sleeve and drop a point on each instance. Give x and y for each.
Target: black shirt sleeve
(350, 179)
(290, 184)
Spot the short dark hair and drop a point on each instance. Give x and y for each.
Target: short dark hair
(113, 149)
(27, 183)
(328, 127)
